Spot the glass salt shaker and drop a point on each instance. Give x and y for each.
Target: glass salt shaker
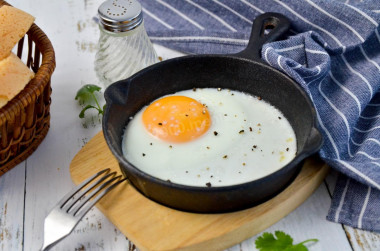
(124, 47)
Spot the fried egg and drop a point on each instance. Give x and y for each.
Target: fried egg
(209, 137)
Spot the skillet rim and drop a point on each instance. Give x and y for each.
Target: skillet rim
(293, 164)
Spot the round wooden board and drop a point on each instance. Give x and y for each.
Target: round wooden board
(151, 226)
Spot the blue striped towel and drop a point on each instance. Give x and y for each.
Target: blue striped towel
(333, 53)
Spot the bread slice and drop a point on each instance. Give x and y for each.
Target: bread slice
(3, 101)
(14, 24)
(14, 76)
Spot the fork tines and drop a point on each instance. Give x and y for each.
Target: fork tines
(78, 198)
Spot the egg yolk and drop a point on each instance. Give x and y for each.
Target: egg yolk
(176, 119)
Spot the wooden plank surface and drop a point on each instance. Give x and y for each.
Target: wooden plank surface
(73, 34)
(12, 186)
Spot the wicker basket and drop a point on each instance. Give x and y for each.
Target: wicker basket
(25, 120)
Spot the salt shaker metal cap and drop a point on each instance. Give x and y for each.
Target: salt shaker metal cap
(120, 15)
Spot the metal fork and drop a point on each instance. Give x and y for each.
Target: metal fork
(69, 211)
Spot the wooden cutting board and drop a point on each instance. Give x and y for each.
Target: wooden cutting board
(151, 226)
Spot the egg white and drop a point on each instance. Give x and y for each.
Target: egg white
(248, 139)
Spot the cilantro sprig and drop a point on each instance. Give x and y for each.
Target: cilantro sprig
(86, 96)
(268, 242)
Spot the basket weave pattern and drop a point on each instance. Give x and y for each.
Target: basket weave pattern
(25, 120)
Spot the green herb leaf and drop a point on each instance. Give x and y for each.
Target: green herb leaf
(81, 114)
(298, 247)
(86, 93)
(282, 242)
(86, 96)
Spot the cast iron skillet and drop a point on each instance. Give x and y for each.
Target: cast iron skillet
(245, 72)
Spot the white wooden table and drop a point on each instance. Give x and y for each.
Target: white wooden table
(31, 189)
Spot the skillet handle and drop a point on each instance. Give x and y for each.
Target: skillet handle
(266, 28)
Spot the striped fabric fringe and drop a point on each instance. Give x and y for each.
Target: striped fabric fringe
(332, 51)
